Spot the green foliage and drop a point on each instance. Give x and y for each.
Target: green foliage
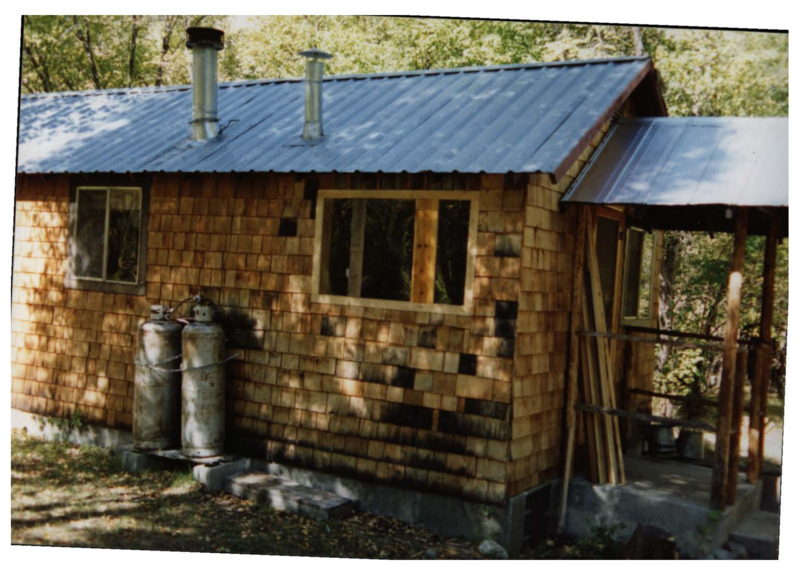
(64, 427)
(704, 72)
(66, 496)
(716, 73)
(600, 543)
(698, 267)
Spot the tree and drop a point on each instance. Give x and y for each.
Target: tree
(704, 72)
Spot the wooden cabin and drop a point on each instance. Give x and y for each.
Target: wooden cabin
(396, 278)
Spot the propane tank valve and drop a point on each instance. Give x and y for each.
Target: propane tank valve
(158, 312)
(202, 313)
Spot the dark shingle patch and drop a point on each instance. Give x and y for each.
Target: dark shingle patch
(493, 409)
(427, 337)
(287, 227)
(409, 415)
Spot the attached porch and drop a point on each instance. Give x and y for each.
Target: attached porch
(713, 175)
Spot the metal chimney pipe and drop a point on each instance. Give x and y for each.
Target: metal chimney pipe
(312, 129)
(204, 43)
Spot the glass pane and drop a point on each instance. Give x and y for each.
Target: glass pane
(122, 263)
(89, 230)
(646, 275)
(388, 249)
(634, 262)
(336, 244)
(607, 235)
(451, 252)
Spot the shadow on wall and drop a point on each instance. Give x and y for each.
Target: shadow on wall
(240, 329)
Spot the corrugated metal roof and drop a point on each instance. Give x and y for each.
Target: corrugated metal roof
(521, 118)
(690, 162)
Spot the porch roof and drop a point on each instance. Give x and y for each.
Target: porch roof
(683, 173)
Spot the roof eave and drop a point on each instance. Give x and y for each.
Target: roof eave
(589, 135)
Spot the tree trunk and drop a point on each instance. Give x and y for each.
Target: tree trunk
(672, 244)
(132, 59)
(84, 35)
(638, 43)
(40, 67)
(170, 23)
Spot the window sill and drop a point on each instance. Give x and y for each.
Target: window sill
(637, 322)
(102, 286)
(464, 310)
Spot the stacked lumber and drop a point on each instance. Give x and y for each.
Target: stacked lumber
(591, 358)
(596, 374)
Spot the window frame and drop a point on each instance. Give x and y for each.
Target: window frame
(108, 183)
(638, 319)
(439, 195)
(615, 319)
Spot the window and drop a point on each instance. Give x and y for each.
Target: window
(396, 249)
(638, 275)
(608, 253)
(106, 247)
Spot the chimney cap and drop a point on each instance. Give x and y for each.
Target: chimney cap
(316, 54)
(198, 36)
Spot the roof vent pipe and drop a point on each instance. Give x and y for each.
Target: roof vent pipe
(312, 129)
(204, 43)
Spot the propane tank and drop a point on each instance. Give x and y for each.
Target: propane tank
(156, 392)
(203, 387)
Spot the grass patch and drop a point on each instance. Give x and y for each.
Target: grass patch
(79, 496)
(64, 495)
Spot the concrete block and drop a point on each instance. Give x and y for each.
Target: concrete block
(214, 476)
(284, 494)
(135, 462)
(759, 534)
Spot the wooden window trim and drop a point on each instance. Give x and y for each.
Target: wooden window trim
(420, 289)
(107, 182)
(636, 320)
(619, 284)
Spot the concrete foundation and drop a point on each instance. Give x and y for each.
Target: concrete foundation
(670, 494)
(54, 429)
(759, 534)
(449, 516)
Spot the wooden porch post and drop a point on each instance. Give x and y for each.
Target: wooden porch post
(760, 384)
(736, 424)
(574, 344)
(719, 476)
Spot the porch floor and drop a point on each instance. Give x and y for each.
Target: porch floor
(675, 478)
(672, 494)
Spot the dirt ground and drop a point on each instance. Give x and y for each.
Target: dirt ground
(64, 495)
(78, 496)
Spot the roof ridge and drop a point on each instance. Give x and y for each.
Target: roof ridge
(343, 77)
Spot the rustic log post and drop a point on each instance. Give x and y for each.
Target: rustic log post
(574, 356)
(719, 476)
(760, 385)
(736, 424)
(632, 433)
